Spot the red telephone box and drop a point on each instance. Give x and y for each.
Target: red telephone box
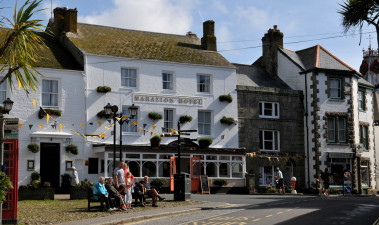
(10, 160)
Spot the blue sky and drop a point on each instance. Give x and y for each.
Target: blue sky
(240, 24)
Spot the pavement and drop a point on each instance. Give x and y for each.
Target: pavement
(146, 214)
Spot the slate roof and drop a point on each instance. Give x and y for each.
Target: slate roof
(54, 56)
(316, 57)
(248, 75)
(110, 41)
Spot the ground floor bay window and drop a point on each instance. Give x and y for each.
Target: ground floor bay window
(339, 163)
(365, 174)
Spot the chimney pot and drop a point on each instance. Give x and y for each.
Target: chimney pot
(65, 20)
(275, 27)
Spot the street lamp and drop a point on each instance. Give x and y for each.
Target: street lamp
(7, 107)
(132, 113)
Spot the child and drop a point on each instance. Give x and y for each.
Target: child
(128, 190)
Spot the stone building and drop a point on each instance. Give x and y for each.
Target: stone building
(270, 116)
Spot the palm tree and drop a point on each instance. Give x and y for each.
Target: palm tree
(21, 44)
(356, 12)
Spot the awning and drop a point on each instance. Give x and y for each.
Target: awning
(39, 134)
(340, 155)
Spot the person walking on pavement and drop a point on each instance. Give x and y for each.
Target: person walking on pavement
(325, 178)
(74, 179)
(279, 177)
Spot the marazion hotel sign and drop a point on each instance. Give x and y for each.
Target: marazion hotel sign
(165, 99)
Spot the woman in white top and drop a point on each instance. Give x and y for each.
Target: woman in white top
(74, 176)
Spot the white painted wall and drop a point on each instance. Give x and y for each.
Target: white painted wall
(71, 102)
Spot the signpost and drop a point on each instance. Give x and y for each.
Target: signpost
(347, 182)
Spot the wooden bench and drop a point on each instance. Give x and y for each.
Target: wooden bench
(91, 198)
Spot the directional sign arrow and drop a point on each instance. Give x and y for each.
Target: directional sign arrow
(188, 131)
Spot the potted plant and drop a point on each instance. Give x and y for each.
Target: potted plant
(33, 148)
(5, 184)
(34, 190)
(155, 141)
(225, 98)
(73, 149)
(184, 119)
(103, 89)
(227, 120)
(52, 112)
(205, 142)
(80, 191)
(155, 116)
(158, 183)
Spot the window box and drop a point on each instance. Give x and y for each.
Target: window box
(155, 116)
(103, 89)
(227, 120)
(52, 112)
(184, 119)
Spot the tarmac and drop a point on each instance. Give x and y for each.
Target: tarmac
(146, 214)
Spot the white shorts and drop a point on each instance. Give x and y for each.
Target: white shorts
(128, 197)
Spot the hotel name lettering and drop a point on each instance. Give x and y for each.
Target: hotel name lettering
(169, 99)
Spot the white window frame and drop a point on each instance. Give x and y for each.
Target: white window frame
(129, 78)
(275, 111)
(167, 121)
(262, 182)
(339, 89)
(50, 94)
(340, 135)
(207, 86)
(3, 91)
(275, 144)
(205, 123)
(361, 100)
(129, 128)
(169, 82)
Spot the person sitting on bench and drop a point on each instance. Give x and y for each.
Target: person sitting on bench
(151, 192)
(138, 194)
(99, 191)
(113, 193)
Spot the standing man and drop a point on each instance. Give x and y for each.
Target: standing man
(279, 177)
(119, 177)
(325, 178)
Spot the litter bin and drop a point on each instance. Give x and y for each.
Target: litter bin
(182, 187)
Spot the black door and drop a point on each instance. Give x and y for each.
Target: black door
(50, 164)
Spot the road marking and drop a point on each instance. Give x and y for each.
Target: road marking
(257, 219)
(289, 210)
(268, 215)
(279, 213)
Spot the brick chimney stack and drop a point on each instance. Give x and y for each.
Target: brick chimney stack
(270, 42)
(65, 20)
(208, 41)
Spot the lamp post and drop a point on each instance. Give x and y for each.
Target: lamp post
(7, 107)
(132, 113)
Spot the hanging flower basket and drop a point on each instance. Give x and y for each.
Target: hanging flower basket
(227, 120)
(205, 142)
(102, 115)
(73, 149)
(225, 98)
(33, 148)
(184, 119)
(51, 112)
(103, 89)
(155, 141)
(155, 116)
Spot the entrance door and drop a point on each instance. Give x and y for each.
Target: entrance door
(172, 172)
(50, 164)
(195, 173)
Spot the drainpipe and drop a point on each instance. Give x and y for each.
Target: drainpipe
(306, 126)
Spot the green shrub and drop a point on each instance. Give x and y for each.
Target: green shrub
(35, 176)
(225, 98)
(85, 184)
(205, 142)
(51, 112)
(33, 148)
(184, 119)
(103, 115)
(159, 182)
(227, 120)
(271, 189)
(72, 149)
(155, 116)
(155, 141)
(219, 182)
(5, 184)
(103, 89)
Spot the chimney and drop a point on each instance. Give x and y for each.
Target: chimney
(65, 20)
(270, 43)
(208, 41)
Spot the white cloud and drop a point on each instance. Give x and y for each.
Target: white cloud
(166, 16)
(219, 6)
(253, 17)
